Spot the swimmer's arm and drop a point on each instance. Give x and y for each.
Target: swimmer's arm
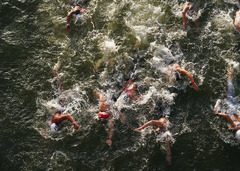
(184, 72)
(184, 17)
(184, 11)
(152, 122)
(64, 117)
(101, 97)
(111, 128)
(61, 118)
(222, 114)
(69, 16)
(230, 121)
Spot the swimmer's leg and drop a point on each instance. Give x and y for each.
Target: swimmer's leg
(122, 117)
(168, 152)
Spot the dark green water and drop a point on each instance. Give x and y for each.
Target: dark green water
(33, 38)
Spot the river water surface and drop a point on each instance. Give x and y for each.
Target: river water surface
(117, 40)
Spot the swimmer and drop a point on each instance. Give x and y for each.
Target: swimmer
(189, 11)
(78, 11)
(57, 118)
(106, 114)
(130, 91)
(127, 94)
(178, 71)
(233, 119)
(161, 129)
(237, 21)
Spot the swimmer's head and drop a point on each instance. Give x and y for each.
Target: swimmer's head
(163, 120)
(103, 115)
(177, 76)
(238, 135)
(79, 18)
(54, 127)
(132, 86)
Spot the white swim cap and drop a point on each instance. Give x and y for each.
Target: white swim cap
(79, 18)
(238, 135)
(126, 98)
(54, 127)
(217, 103)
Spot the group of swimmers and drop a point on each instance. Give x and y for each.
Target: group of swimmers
(189, 11)
(129, 91)
(232, 118)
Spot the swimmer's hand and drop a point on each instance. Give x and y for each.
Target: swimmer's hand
(68, 28)
(137, 129)
(109, 142)
(76, 126)
(194, 85)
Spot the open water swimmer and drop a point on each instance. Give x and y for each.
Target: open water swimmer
(77, 12)
(175, 71)
(143, 65)
(232, 117)
(161, 130)
(105, 114)
(125, 96)
(190, 11)
(58, 117)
